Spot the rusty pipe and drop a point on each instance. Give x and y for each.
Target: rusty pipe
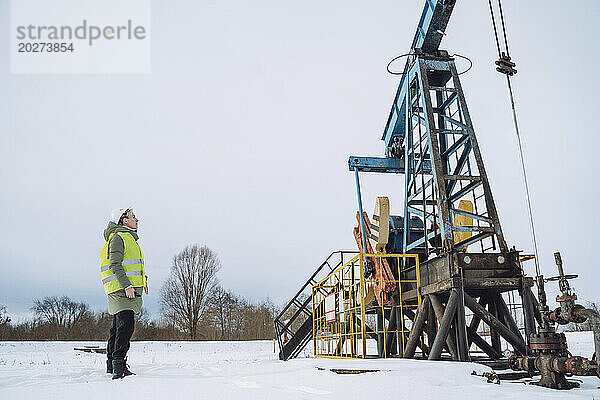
(594, 318)
(576, 365)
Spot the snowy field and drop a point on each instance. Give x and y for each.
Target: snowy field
(251, 370)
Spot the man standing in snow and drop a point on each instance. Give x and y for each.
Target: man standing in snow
(123, 278)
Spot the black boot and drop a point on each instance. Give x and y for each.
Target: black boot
(126, 371)
(118, 369)
(109, 367)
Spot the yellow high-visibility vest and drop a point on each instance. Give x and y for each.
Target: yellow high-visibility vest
(133, 264)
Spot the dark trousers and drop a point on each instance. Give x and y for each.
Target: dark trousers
(120, 335)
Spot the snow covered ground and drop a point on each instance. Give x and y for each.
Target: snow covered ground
(250, 370)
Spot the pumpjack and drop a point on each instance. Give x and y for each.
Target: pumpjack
(450, 220)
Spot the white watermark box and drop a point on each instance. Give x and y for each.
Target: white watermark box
(80, 36)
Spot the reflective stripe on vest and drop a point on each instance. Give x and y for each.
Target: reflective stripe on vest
(124, 263)
(133, 264)
(114, 277)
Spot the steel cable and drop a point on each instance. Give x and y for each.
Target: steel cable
(514, 113)
(525, 182)
(503, 27)
(494, 25)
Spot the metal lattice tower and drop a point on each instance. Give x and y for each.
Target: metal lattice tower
(450, 218)
(443, 163)
(459, 268)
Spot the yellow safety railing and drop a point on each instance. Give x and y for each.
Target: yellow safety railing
(346, 306)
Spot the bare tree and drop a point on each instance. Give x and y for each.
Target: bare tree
(62, 312)
(217, 307)
(185, 294)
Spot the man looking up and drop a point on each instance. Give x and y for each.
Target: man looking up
(123, 277)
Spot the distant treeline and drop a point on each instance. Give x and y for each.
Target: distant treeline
(226, 317)
(194, 307)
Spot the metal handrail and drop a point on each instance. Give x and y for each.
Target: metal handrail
(333, 336)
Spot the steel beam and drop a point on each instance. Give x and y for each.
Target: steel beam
(489, 200)
(506, 316)
(438, 308)
(417, 329)
(387, 165)
(461, 327)
(528, 313)
(380, 334)
(401, 336)
(536, 309)
(494, 335)
(444, 329)
(390, 335)
(411, 315)
(482, 344)
(431, 326)
(429, 34)
(474, 324)
(495, 324)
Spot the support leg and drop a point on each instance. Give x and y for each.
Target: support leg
(425, 349)
(496, 325)
(461, 328)
(431, 326)
(494, 335)
(401, 328)
(391, 334)
(528, 314)
(380, 335)
(504, 312)
(440, 313)
(442, 335)
(474, 325)
(417, 329)
(482, 344)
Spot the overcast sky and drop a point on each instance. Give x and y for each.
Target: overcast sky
(239, 140)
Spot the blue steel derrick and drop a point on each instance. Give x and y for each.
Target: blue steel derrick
(450, 225)
(428, 37)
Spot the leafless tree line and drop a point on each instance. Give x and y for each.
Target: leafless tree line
(61, 311)
(194, 302)
(60, 318)
(231, 317)
(194, 307)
